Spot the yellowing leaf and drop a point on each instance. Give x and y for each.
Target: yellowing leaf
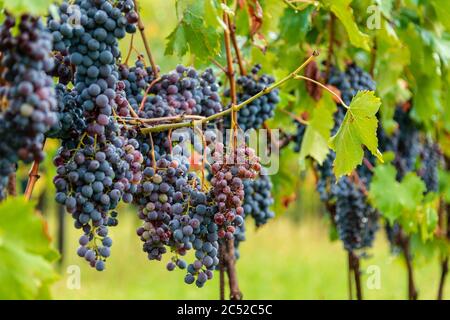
(317, 134)
(358, 128)
(343, 11)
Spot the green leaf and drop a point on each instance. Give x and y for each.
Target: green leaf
(358, 128)
(343, 11)
(294, 25)
(193, 34)
(317, 134)
(414, 212)
(442, 8)
(25, 253)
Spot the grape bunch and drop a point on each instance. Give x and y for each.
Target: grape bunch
(229, 172)
(97, 166)
(185, 91)
(90, 182)
(136, 79)
(299, 135)
(258, 199)
(431, 158)
(351, 81)
(28, 92)
(176, 214)
(261, 109)
(70, 123)
(356, 221)
(406, 143)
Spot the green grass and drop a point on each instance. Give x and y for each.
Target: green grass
(283, 260)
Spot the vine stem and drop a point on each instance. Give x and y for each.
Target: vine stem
(130, 49)
(444, 272)
(349, 277)
(298, 77)
(222, 271)
(292, 75)
(373, 58)
(357, 274)
(412, 291)
(295, 117)
(354, 268)
(141, 28)
(235, 293)
(33, 177)
(331, 44)
(240, 60)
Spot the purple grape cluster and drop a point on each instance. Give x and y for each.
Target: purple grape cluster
(186, 91)
(355, 220)
(29, 113)
(97, 166)
(258, 199)
(176, 214)
(62, 69)
(261, 109)
(229, 171)
(90, 182)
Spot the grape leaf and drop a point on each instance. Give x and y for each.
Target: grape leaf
(409, 207)
(317, 134)
(343, 11)
(194, 35)
(358, 128)
(25, 252)
(295, 24)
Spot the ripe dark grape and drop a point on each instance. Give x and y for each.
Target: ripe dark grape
(229, 171)
(261, 109)
(356, 221)
(177, 215)
(97, 165)
(258, 199)
(29, 113)
(431, 157)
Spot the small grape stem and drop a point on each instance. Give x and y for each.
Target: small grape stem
(298, 77)
(12, 189)
(295, 117)
(292, 75)
(141, 107)
(141, 28)
(130, 49)
(368, 164)
(33, 177)
(360, 183)
(218, 65)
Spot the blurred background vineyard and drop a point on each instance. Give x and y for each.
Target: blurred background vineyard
(292, 257)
